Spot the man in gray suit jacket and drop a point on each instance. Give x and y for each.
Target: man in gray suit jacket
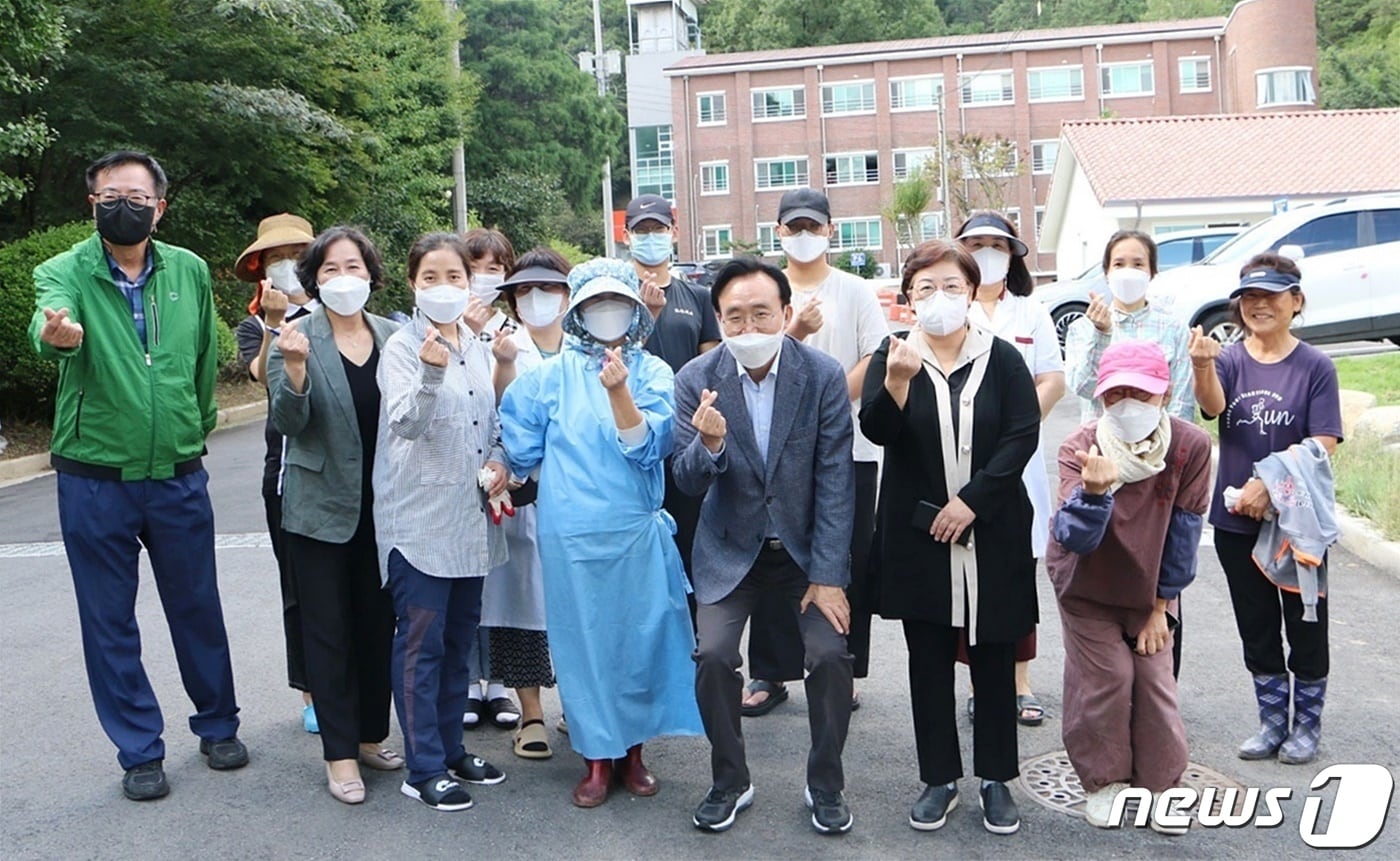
(763, 432)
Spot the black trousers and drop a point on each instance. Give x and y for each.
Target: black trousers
(718, 684)
(347, 622)
(775, 646)
(933, 650)
(291, 612)
(1257, 604)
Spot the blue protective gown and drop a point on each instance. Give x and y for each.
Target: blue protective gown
(615, 589)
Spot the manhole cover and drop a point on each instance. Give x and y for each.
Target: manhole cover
(1051, 781)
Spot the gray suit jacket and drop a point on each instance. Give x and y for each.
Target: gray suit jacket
(806, 487)
(321, 477)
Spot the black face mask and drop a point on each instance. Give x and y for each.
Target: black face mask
(122, 224)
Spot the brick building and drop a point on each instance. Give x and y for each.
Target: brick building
(854, 119)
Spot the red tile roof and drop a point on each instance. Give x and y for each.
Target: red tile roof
(1238, 155)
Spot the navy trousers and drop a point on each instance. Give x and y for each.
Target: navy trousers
(105, 524)
(437, 624)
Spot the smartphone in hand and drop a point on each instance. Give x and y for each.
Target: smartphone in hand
(925, 512)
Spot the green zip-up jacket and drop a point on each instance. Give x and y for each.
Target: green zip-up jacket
(120, 406)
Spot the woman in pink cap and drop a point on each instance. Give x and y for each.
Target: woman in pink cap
(1119, 558)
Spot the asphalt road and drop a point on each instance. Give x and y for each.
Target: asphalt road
(59, 792)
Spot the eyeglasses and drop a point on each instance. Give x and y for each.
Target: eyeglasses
(135, 200)
(925, 287)
(760, 319)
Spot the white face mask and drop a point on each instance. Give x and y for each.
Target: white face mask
(609, 319)
(941, 314)
(283, 275)
(443, 303)
(754, 349)
(487, 286)
(993, 262)
(345, 294)
(539, 308)
(806, 246)
(1132, 420)
(1128, 286)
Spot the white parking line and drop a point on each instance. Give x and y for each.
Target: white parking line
(40, 549)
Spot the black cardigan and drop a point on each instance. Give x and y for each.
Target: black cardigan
(910, 571)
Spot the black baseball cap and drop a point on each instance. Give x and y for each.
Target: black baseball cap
(804, 203)
(648, 207)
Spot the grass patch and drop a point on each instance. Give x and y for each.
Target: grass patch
(1379, 375)
(1367, 475)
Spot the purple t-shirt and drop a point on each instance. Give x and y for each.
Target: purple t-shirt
(1267, 409)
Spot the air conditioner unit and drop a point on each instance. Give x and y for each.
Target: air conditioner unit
(884, 270)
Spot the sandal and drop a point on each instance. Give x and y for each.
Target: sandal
(776, 693)
(531, 740)
(1029, 711)
(504, 713)
(471, 718)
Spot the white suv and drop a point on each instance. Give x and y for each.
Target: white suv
(1350, 263)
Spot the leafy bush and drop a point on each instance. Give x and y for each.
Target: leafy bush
(27, 385)
(570, 252)
(843, 261)
(230, 364)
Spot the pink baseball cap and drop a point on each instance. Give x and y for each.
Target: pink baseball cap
(1139, 364)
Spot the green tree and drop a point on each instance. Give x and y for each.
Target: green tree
(756, 25)
(1359, 54)
(979, 170)
(35, 39)
(911, 199)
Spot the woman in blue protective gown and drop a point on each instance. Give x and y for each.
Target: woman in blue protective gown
(596, 421)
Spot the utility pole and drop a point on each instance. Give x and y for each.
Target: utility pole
(600, 71)
(459, 155)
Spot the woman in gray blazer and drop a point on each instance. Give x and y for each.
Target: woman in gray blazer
(325, 401)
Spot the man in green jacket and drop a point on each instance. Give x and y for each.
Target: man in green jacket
(131, 323)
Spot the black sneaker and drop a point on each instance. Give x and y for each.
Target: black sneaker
(830, 815)
(439, 793)
(146, 781)
(930, 812)
(719, 809)
(474, 769)
(999, 813)
(225, 754)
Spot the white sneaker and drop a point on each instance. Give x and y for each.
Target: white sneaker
(1098, 806)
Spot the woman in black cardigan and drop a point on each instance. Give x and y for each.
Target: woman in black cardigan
(956, 411)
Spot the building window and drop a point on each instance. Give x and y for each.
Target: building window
(1126, 79)
(860, 168)
(711, 109)
(653, 170)
(1275, 87)
(856, 234)
(1043, 154)
(909, 161)
(916, 94)
(780, 173)
(715, 241)
(1057, 84)
(768, 240)
(987, 88)
(1195, 74)
(991, 164)
(1013, 215)
(1039, 220)
(714, 177)
(856, 97)
(783, 103)
(930, 226)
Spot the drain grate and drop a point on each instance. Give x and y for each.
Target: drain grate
(1050, 780)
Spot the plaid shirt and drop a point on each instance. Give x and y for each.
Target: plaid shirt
(134, 290)
(1084, 346)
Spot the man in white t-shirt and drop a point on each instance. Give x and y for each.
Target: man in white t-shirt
(838, 313)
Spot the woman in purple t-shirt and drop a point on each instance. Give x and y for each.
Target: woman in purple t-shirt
(1269, 391)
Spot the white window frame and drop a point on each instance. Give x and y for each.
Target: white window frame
(863, 110)
(802, 178)
(1104, 78)
(1072, 97)
(939, 228)
(1013, 215)
(1008, 88)
(864, 171)
(1194, 87)
(774, 245)
(1266, 74)
(715, 229)
(897, 105)
(795, 115)
(1044, 168)
(714, 189)
(1039, 220)
(924, 155)
(836, 244)
(724, 108)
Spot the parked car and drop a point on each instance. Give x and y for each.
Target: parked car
(1348, 251)
(1068, 299)
(700, 274)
